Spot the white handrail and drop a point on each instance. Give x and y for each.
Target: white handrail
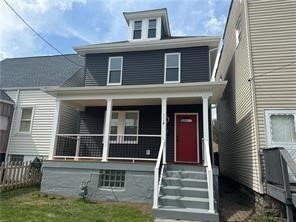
(208, 164)
(156, 175)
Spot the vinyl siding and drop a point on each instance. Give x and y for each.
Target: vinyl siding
(6, 110)
(273, 44)
(147, 67)
(237, 144)
(38, 142)
(69, 120)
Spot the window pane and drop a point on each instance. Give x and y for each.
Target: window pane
(26, 113)
(172, 74)
(114, 77)
(16, 158)
(131, 118)
(137, 34)
(283, 128)
(114, 123)
(152, 24)
(151, 33)
(138, 25)
(25, 126)
(3, 122)
(172, 60)
(115, 63)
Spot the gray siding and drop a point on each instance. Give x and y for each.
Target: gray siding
(6, 110)
(147, 67)
(69, 120)
(238, 150)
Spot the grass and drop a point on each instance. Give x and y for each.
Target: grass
(30, 205)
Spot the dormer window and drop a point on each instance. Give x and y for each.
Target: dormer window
(137, 30)
(152, 28)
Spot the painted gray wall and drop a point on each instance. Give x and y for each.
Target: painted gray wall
(64, 178)
(147, 67)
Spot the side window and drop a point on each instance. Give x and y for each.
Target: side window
(137, 30)
(172, 68)
(115, 70)
(238, 31)
(281, 127)
(26, 120)
(152, 28)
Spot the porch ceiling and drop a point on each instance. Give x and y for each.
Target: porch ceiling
(182, 93)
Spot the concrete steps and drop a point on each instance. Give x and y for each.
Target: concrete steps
(184, 194)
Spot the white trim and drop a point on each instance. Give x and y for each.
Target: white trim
(205, 119)
(6, 101)
(31, 120)
(179, 67)
(238, 31)
(107, 127)
(109, 66)
(164, 125)
(268, 113)
(55, 130)
(175, 137)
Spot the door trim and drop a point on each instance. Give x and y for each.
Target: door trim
(175, 134)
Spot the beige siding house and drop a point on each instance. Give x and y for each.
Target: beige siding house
(258, 109)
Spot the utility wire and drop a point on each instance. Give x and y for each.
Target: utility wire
(42, 38)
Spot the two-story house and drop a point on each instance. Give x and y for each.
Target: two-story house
(258, 109)
(140, 130)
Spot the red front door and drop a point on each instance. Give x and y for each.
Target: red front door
(186, 138)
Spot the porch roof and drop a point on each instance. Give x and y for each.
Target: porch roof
(198, 89)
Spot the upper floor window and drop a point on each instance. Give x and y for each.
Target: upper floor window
(137, 30)
(26, 120)
(281, 127)
(172, 68)
(115, 70)
(238, 31)
(152, 28)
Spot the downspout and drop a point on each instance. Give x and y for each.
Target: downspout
(210, 67)
(13, 119)
(253, 90)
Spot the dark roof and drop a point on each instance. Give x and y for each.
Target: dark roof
(4, 96)
(38, 71)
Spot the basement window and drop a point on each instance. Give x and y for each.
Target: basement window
(112, 179)
(16, 158)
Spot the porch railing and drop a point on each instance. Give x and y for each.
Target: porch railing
(121, 146)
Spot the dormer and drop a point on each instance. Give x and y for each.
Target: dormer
(147, 25)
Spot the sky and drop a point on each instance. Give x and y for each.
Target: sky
(68, 23)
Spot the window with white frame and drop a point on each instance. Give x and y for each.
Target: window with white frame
(281, 126)
(123, 124)
(238, 31)
(137, 30)
(115, 70)
(16, 158)
(172, 68)
(152, 28)
(3, 122)
(26, 119)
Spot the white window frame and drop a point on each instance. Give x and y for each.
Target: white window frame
(238, 31)
(121, 126)
(145, 28)
(156, 28)
(4, 122)
(142, 29)
(179, 67)
(109, 69)
(20, 119)
(268, 114)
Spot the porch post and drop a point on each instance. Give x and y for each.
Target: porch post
(164, 125)
(205, 115)
(107, 130)
(55, 130)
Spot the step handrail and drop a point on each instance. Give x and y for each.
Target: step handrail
(156, 175)
(209, 169)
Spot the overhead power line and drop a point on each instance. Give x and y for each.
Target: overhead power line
(40, 36)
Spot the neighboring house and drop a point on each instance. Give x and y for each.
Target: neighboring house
(258, 108)
(140, 128)
(6, 113)
(33, 119)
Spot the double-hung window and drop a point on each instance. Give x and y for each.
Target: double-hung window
(115, 70)
(123, 124)
(172, 68)
(152, 28)
(281, 127)
(137, 30)
(26, 120)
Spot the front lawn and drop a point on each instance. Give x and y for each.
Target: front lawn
(29, 205)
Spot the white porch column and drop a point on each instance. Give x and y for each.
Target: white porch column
(107, 130)
(164, 125)
(55, 130)
(205, 115)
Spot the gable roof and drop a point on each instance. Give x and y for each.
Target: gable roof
(38, 71)
(4, 97)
